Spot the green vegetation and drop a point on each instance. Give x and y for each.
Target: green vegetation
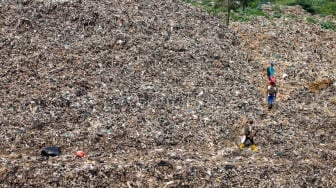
(311, 20)
(322, 7)
(248, 14)
(328, 25)
(220, 7)
(277, 11)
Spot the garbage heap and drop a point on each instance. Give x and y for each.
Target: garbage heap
(156, 94)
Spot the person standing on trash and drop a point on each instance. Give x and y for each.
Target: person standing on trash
(271, 94)
(244, 3)
(249, 134)
(271, 72)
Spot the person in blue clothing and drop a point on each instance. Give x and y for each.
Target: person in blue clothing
(271, 71)
(271, 94)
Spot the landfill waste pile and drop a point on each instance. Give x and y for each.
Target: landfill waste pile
(156, 93)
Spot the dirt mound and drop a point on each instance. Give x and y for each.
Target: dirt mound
(155, 93)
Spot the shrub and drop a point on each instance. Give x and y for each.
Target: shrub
(311, 20)
(327, 25)
(305, 4)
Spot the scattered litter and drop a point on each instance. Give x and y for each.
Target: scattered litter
(80, 154)
(51, 151)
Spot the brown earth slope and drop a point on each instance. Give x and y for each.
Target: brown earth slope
(156, 92)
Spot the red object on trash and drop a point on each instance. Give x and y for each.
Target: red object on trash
(272, 80)
(80, 154)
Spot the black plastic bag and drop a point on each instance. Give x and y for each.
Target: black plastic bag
(51, 151)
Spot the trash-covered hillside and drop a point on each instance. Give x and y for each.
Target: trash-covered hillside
(156, 94)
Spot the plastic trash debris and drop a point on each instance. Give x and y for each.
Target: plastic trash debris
(109, 131)
(51, 151)
(278, 153)
(189, 111)
(67, 45)
(284, 76)
(68, 135)
(80, 154)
